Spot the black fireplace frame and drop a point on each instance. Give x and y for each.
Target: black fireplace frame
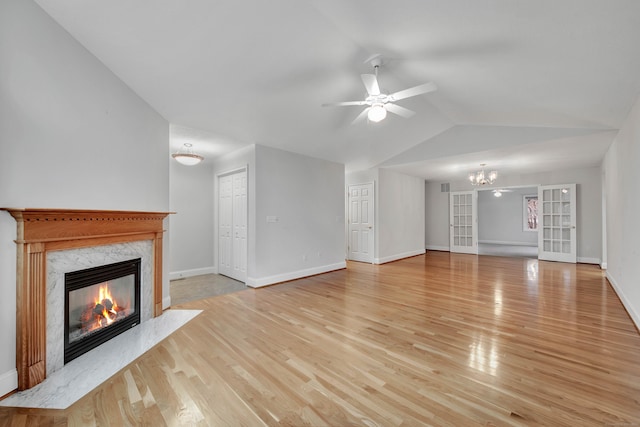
(93, 276)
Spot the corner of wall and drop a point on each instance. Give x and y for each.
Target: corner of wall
(183, 274)
(8, 382)
(258, 282)
(397, 257)
(635, 316)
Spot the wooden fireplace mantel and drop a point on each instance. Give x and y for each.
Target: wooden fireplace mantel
(43, 230)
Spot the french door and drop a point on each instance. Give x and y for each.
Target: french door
(557, 230)
(232, 225)
(463, 222)
(361, 236)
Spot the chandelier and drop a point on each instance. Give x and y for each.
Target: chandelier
(483, 178)
(186, 156)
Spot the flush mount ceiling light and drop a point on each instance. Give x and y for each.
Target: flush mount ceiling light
(482, 178)
(497, 193)
(186, 156)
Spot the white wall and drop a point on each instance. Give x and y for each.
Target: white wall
(400, 220)
(72, 135)
(191, 198)
(399, 213)
(622, 177)
(436, 217)
(589, 202)
(307, 197)
(362, 177)
(500, 219)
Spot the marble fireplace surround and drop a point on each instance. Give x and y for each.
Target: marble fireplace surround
(51, 239)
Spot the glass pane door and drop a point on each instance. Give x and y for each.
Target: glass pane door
(462, 219)
(557, 233)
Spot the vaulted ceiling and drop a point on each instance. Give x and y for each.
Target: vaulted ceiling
(522, 85)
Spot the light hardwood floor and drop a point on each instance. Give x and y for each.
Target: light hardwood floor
(442, 339)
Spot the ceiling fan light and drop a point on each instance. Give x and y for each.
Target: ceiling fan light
(186, 156)
(377, 113)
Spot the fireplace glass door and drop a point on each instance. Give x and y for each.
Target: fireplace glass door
(100, 303)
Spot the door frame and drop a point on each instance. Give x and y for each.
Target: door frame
(540, 247)
(473, 249)
(245, 169)
(373, 221)
(569, 257)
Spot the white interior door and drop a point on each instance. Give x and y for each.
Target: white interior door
(225, 224)
(232, 225)
(557, 229)
(240, 226)
(463, 222)
(361, 236)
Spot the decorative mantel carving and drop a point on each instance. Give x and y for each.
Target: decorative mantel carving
(43, 230)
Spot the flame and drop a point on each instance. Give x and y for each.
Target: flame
(103, 294)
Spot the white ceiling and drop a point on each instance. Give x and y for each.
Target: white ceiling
(523, 85)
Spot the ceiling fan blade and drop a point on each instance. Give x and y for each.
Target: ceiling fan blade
(361, 116)
(413, 91)
(401, 111)
(341, 104)
(371, 83)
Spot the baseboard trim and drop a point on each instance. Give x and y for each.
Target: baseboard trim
(8, 382)
(502, 242)
(166, 302)
(635, 317)
(398, 256)
(587, 260)
(603, 266)
(175, 275)
(437, 248)
(258, 282)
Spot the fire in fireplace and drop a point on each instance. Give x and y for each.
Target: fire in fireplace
(100, 303)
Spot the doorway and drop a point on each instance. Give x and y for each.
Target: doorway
(508, 225)
(232, 225)
(504, 225)
(361, 232)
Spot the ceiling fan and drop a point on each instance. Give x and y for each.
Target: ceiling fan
(498, 191)
(377, 102)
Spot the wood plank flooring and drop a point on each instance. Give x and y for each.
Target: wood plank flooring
(441, 339)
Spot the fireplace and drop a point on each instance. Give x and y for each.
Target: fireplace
(100, 303)
(48, 241)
